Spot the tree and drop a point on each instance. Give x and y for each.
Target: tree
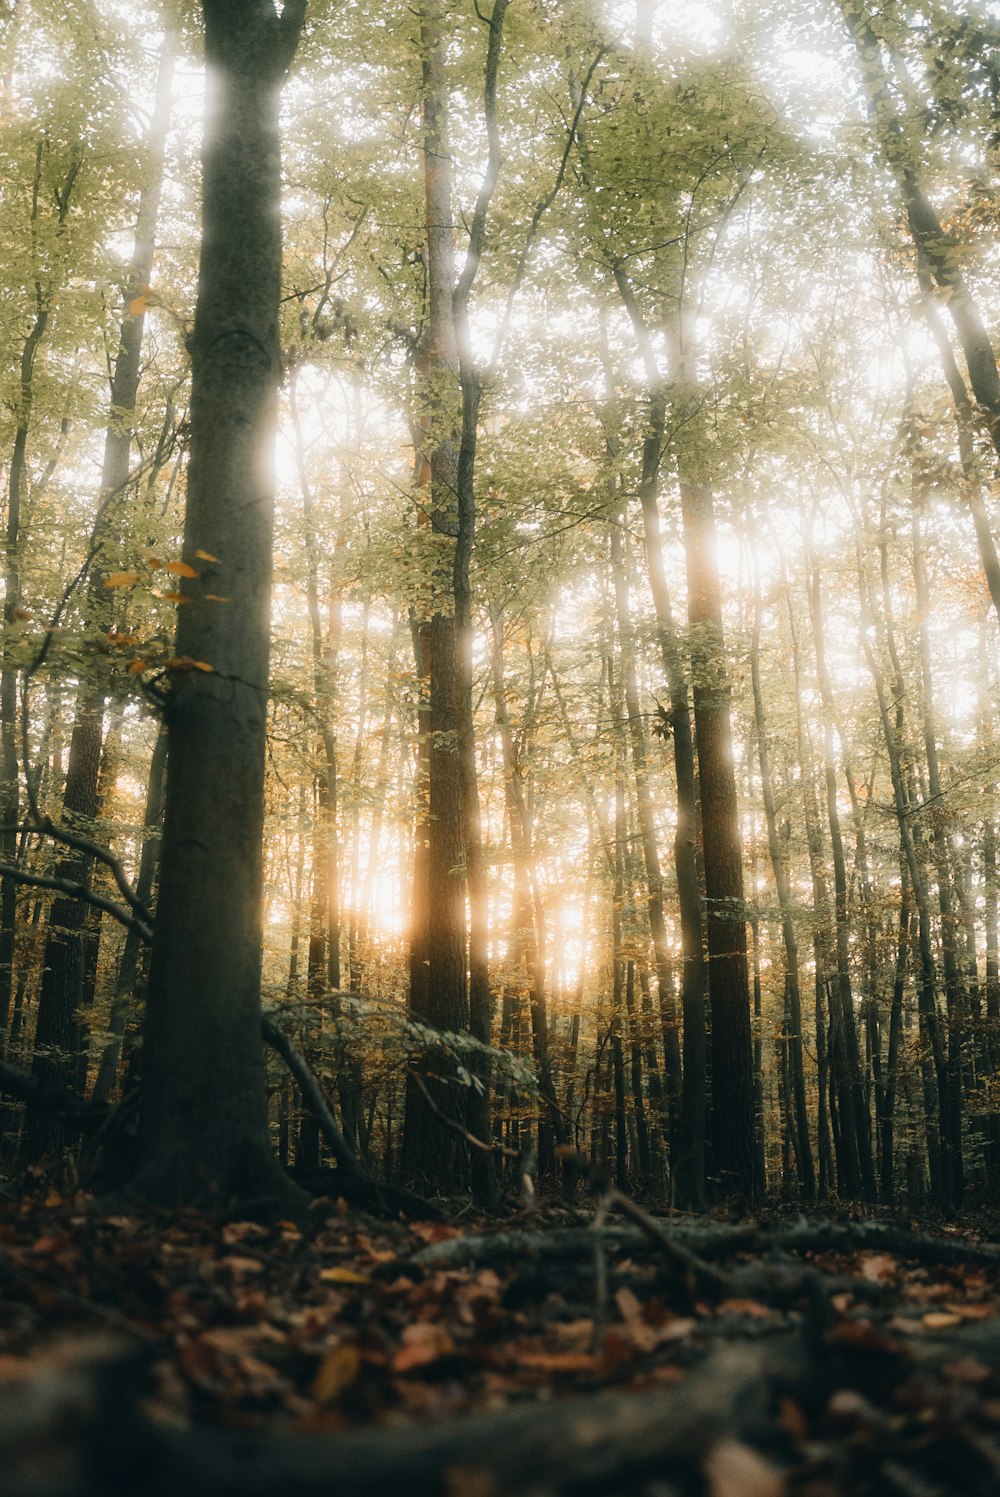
(203, 1132)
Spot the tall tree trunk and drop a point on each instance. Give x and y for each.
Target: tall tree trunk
(688, 1149)
(800, 1126)
(431, 1151)
(204, 1128)
(955, 994)
(735, 1162)
(821, 943)
(528, 932)
(855, 1120)
(644, 815)
(17, 488)
(935, 1074)
(69, 919)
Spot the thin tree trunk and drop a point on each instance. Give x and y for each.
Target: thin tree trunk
(855, 1119)
(793, 998)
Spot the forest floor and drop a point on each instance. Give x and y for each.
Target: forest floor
(547, 1354)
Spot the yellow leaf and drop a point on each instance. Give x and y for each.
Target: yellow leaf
(121, 579)
(343, 1276)
(336, 1373)
(180, 569)
(205, 556)
(940, 1320)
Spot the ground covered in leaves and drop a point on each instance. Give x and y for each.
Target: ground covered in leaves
(541, 1355)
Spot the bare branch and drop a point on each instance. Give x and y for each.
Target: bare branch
(74, 890)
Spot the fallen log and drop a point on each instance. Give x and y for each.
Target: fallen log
(710, 1243)
(577, 1447)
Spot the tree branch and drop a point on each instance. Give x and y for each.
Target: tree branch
(73, 890)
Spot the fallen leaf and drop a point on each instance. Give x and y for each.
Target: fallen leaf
(675, 1330)
(180, 569)
(336, 1373)
(750, 1307)
(940, 1320)
(556, 1361)
(121, 579)
(734, 1470)
(878, 1268)
(239, 1267)
(972, 1312)
(342, 1276)
(423, 1344)
(205, 556)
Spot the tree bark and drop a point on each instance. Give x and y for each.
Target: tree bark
(433, 1153)
(203, 1128)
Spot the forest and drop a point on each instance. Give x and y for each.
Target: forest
(499, 747)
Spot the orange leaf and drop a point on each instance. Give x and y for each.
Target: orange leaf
(205, 556)
(121, 579)
(175, 597)
(750, 1307)
(185, 663)
(422, 1344)
(214, 598)
(137, 667)
(556, 1361)
(154, 562)
(180, 569)
(138, 305)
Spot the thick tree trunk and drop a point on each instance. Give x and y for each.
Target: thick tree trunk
(204, 1132)
(432, 1152)
(735, 1162)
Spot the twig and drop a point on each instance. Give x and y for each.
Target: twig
(600, 1270)
(694, 1269)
